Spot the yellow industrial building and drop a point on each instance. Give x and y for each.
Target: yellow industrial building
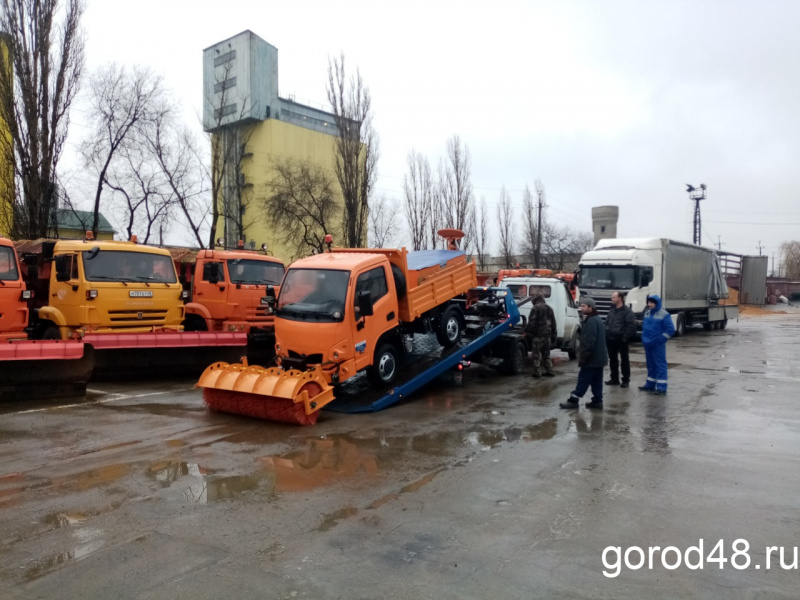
(252, 128)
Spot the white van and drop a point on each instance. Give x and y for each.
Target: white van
(557, 295)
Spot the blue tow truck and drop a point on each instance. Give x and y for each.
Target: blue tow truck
(491, 337)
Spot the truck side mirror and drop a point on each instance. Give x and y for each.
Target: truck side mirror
(365, 304)
(63, 268)
(645, 279)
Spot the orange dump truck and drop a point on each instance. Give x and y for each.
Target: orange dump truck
(228, 291)
(340, 313)
(13, 295)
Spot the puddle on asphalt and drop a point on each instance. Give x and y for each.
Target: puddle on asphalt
(333, 460)
(87, 540)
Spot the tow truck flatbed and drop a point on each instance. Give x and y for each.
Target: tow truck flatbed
(483, 330)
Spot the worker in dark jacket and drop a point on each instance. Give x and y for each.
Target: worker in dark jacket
(620, 329)
(592, 358)
(657, 328)
(541, 329)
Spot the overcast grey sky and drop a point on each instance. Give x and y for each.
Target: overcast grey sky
(607, 102)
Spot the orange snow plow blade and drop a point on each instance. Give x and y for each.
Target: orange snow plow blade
(274, 394)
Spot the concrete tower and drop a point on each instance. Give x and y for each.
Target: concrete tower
(604, 222)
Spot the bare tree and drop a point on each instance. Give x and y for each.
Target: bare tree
(790, 254)
(46, 48)
(356, 148)
(418, 191)
(438, 219)
(506, 227)
(482, 235)
(383, 222)
(458, 199)
(121, 103)
(530, 230)
(301, 202)
(563, 246)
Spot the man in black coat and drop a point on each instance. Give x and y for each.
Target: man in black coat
(620, 330)
(592, 358)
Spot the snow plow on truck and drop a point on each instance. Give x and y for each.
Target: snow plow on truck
(121, 300)
(340, 313)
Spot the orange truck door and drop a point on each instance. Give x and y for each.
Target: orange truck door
(366, 331)
(211, 288)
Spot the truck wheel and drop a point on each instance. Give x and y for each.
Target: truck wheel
(514, 363)
(723, 324)
(708, 326)
(575, 348)
(450, 327)
(51, 332)
(680, 328)
(194, 323)
(383, 371)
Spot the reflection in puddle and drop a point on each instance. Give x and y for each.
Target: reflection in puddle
(201, 486)
(87, 540)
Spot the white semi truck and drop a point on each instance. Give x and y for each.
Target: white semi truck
(687, 277)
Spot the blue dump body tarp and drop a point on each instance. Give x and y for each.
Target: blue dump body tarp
(422, 259)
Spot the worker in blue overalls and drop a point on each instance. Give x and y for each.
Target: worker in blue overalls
(657, 328)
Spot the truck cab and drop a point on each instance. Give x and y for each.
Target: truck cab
(89, 286)
(558, 296)
(229, 291)
(13, 295)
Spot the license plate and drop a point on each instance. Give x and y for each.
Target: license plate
(141, 294)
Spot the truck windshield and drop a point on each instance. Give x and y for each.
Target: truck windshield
(313, 295)
(607, 277)
(8, 265)
(119, 265)
(259, 272)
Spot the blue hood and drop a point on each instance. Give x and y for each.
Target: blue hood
(657, 299)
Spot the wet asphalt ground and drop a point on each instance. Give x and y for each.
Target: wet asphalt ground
(481, 491)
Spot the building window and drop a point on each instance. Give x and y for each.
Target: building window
(602, 228)
(223, 58)
(224, 85)
(226, 110)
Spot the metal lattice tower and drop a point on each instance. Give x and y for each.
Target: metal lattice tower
(696, 194)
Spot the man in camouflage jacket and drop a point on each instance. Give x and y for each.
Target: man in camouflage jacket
(541, 329)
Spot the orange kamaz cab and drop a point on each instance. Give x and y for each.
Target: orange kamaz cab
(228, 291)
(13, 295)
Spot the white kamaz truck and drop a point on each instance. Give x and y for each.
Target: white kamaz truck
(687, 277)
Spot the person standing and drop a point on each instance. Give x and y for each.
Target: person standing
(620, 329)
(657, 328)
(541, 328)
(592, 358)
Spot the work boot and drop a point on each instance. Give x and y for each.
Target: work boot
(644, 388)
(570, 404)
(550, 374)
(595, 404)
(612, 382)
(660, 392)
(624, 384)
(537, 375)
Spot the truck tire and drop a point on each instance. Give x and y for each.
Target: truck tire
(451, 326)
(575, 347)
(385, 365)
(51, 332)
(399, 281)
(514, 362)
(708, 325)
(680, 327)
(723, 324)
(194, 323)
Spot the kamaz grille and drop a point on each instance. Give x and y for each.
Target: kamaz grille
(603, 306)
(139, 316)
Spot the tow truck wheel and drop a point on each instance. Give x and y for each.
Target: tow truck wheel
(575, 347)
(450, 327)
(383, 371)
(514, 363)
